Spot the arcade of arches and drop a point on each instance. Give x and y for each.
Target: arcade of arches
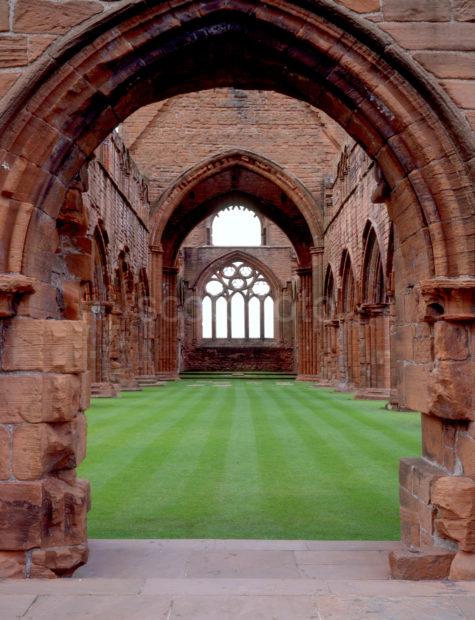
(130, 130)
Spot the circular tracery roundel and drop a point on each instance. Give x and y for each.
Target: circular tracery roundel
(238, 303)
(237, 277)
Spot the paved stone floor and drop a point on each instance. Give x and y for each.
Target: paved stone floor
(251, 579)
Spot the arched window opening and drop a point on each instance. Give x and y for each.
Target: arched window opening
(268, 317)
(237, 316)
(254, 318)
(206, 318)
(238, 304)
(236, 226)
(329, 294)
(221, 318)
(373, 277)
(348, 284)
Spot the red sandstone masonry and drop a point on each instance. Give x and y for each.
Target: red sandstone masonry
(430, 204)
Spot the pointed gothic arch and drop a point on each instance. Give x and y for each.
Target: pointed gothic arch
(68, 102)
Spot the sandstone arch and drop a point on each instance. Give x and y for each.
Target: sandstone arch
(243, 177)
(66, 105)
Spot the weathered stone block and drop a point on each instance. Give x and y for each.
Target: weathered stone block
(415, 565)
(464, 10)
(438, 440)
(361, 6)
(21, 509)
(37, 44)
(66, 346)
(463, 567)
(13, 50)
(57, 346)
(79, 266)
(66, 507)
(7, 80)
(416, 378)
(52, 17)
(12, 564)
(450, 390)
(42, 448)
(417, 476)
(58, 561)
(432, 36)
(64, 393)
(450, 341)
(466, 454)
(24, 343)
(42, 304)
(5, 450)
(38, 398)
(4, 16)
(422, 10)
(455, 498)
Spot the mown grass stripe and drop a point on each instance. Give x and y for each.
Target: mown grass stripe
(252, 460)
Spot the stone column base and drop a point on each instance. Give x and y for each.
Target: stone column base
(43, 563)
(130, 385)
(148, 381)
(306, 378)
(372, 394)
(103, 390)
(167, 376)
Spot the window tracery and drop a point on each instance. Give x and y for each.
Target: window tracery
(238, 304)
(236, 225)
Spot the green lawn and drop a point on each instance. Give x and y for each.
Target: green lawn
(245, 459)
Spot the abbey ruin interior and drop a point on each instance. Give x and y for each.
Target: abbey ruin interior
(173, 201)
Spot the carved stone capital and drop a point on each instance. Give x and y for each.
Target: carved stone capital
(448, 299)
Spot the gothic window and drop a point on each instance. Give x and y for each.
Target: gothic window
(373, 279)
(348, 284)
(237, 304)
(236, 226)
(329, 294)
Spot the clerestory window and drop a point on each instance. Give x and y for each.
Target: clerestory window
(236, 226)
(238, 304)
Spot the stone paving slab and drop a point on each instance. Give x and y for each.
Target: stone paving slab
(238, 587)
(244, 607)
(352, 571)
(15, 606)
(205, 579)
(243, 563)
(132, 607)
(382, 608)
(94, 586)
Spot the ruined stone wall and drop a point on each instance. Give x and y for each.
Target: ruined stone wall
(422, 148)
(355, 334)
(117, 301)
(437, 34)
(234, 355)
(167, 138)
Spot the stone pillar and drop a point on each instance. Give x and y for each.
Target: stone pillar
(317, 307)
(374, 352)
(167, 359)
(305, 333)
(44, 390)
(96, 314)
(438, 490)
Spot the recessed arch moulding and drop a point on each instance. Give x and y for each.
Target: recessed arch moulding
(233, 177)
(92, 79)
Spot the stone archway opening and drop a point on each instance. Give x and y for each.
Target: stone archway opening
(144, 53)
